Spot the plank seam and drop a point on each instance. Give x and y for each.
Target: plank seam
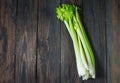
(15, 42)
(37, 39)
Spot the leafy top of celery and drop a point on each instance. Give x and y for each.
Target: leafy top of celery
(65, 12)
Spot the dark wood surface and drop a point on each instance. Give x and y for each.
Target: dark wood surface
(35, 46)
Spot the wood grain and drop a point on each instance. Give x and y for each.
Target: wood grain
(115, 58)
(26, 35)
(109, 39)
(7, 40)
(48, 50)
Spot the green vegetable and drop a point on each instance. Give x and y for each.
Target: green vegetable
(84, 55)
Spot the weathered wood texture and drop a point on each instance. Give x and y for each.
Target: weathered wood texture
(115, 57)
(25, 41)
(35, 46)
(7, 40)
(109, 39)
(48, 48)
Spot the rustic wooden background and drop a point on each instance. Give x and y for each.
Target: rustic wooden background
(35, 46)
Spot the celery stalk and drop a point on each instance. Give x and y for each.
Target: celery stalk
(83, 51)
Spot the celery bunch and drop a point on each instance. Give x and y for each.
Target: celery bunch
(84, 55)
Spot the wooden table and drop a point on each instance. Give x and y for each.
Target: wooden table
(35, 46)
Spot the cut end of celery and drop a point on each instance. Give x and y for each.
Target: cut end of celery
(87, 76)
(86, 73)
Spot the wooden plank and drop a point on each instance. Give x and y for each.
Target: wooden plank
(115, 58)
(94, 19)
(48, 57)
(109, 39)
(26, 37)
(68, 62)
(7, 40)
